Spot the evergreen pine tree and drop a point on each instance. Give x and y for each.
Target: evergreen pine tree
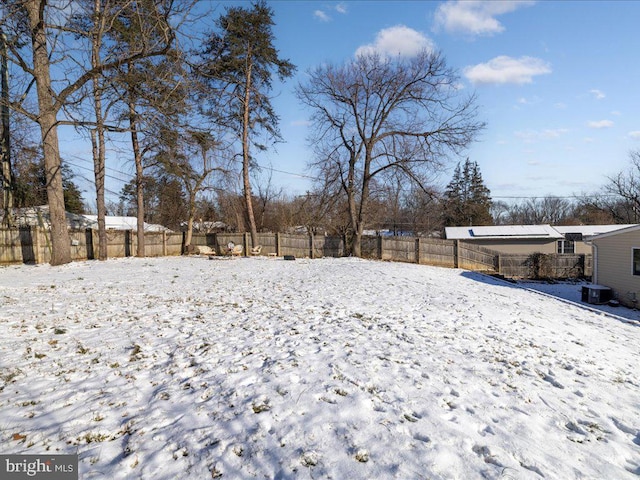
(480, 197)
(467, 198)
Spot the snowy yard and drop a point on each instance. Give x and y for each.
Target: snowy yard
(189, 368)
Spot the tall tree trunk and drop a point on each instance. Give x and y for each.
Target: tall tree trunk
(246, 180)
(98, 171)
(364, 197)
(192, 215)
(5, 143)
(354, 244)
(99, 142)
(137, 157)
(354, 241)
(60, 240)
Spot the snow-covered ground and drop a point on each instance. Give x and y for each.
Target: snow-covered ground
(572, 292)
(189, 368)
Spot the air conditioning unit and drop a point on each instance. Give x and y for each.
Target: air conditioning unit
(596, 294)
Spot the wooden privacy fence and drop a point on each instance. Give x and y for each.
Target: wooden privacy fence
(32, 245)
(278, 244)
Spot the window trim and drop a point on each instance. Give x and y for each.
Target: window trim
(635, 272)
(561, 247)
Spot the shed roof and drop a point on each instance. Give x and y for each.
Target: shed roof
(39, 217)
(591, 230)
(499, 232)
(125, 223)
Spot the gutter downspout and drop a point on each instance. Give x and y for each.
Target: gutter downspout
(594, 276)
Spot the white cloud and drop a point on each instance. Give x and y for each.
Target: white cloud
(505, 69)
(322, 16)
(598, 95)
(475, 17)
(635, 134)
(553, 133)
(533, 136)
(398, 40)
(601, 124)
(529, 101)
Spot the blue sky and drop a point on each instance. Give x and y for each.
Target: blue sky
(557, 82)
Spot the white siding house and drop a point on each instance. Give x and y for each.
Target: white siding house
(616, 263)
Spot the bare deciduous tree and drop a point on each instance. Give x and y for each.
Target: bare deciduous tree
(538, 211)
(375, 115)
(189, 158)
(623, 190)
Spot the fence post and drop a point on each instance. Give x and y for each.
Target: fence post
(38, 253)
(418, 250)
(164, 243)
(127, 243)
(278, 244)
(311, 245)
(380, 252)
(455, 253)
(88, 240)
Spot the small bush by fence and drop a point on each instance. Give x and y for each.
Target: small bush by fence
(32, 245)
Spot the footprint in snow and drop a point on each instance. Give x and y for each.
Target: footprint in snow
(483, 452)
(585, 431)
(628, 430)
(412, 416)
(548, 377)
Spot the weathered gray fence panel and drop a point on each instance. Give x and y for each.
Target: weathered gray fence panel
(153, 244)
(268, 243)
(79, 240)
(474, 257)
(370, 247)
(399, 249)
(437, 252)
(15, 248)
(325, 246)
(514, 266)
(296, 245)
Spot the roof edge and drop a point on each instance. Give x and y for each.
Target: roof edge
(615, 232)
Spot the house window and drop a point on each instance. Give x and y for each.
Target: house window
(636, 261)
(566, 246)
